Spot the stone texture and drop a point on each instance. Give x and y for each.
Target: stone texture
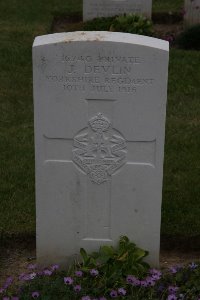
(192, 12)
(105, 8)
(100, 101)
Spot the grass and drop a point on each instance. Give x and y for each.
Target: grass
(20, 22)
(181, 205)
(168, 5)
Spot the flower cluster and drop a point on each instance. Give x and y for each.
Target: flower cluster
(33, 273)
(149, 281)
(176, 283)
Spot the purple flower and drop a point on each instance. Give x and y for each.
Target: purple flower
(154, 271)
(121, 291)
(21, 276)
(47, 272)
(68, 280)
(143, 283)
(35, 294)
(102, 298)
(171, 297)
(156, 274)
(32, 275)
(150, 281)
(132, 280)
(40, 273)
(155, 277)
(79, 273)
(15, 298)
(85, 298)
(113, 294)
(94, 272)
(172, 289)
(32, 266)
(54, 267)
(193, 266)
(8, 282)
(174, 269)
(2, 290)
(77, 288)
(25, 277)
(6, 298)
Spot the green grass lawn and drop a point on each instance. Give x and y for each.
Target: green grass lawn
(181, 195)
(20, 22)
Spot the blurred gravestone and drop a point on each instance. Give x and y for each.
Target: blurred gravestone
(192, 12)
(100, 101)
(106, 8)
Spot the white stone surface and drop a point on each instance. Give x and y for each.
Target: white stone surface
(105, 8)
(192, 12)
(99, 101)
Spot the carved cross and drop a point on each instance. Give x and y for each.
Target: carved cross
(87, 151)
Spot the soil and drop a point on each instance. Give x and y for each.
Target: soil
(14, 258)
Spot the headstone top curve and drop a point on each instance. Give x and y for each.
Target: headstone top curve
(101, 36)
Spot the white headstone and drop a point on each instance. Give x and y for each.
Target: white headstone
(192, 12)
(100, 101)
(106, 8)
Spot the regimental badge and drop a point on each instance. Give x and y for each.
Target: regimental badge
(99, 150)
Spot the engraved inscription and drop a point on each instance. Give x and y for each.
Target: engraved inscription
(98, 9)
(99, 150)
(100, 73)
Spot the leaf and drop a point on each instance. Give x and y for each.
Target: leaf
(139, 254)
(95, 255)
(123, 257)
(108, 250)
(84, 254)
(145, 264)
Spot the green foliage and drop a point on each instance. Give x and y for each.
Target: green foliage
(97, 278)
(115, 263)
(98, 24)
(132, 23)
(190, 38)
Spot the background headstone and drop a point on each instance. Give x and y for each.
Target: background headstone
(106, 8)
(192, 12)
(100, 101)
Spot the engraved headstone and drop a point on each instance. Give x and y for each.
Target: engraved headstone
(100, 101)
(192, 12)
(106, 8)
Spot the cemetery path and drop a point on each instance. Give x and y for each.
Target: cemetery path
(14, 261)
